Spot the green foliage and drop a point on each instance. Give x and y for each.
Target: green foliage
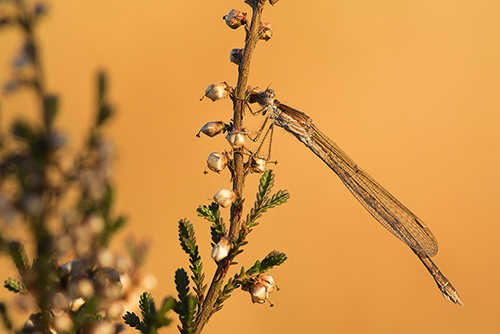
(88, 312)
(263, 202)
(152, 319)
(14, 286)
(5, 317)
(230, 286)
(272, 259)
(19, 256)
(186, 305)
(51, 106)
(105, 110)
(212, 214)
(188, 243)
(22, 130)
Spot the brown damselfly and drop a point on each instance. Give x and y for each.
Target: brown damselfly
(384, 207)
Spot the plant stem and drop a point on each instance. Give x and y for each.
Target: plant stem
(236, 209)
(239, 107)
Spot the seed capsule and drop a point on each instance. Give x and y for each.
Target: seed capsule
(257, 165)
(221, 250)
(212, 128)
(259, 293)
(217, 91)
(266, 31)
(235, 19)
(225, 197)
(216, 161)
(236, 56)
(236, 139)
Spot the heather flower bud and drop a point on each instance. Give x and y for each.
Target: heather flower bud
(236, 56)
(216, 161)
(257, 165)
(225, 197)
(268, 281)
(81, 286)
(260, 287)
(266, 31)
(235, 19)
(259, 293)
(221, 250)
(236, 139)
(217, 91)
(212, 128)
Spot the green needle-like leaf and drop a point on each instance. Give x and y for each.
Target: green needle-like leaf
(19, 256)
(133, 320)
(14, 286)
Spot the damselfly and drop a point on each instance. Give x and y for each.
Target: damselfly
(384, 207)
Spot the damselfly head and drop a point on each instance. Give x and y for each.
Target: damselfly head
(236, 139)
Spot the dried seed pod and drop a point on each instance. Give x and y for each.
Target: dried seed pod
(259, 293)
(217, 91)
(235, 19)
(212, 128)
(236, 56)
(224, 197)
(257, 165)
(217, 161)
(221, 250)
(236, 139)
(266, 31)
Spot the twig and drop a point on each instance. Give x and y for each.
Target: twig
(237, 208)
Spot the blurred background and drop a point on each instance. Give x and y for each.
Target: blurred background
(410, 90)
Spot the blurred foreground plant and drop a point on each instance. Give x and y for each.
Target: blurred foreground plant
(64, 203)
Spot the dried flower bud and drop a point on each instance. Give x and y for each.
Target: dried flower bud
(62, 323)
(224, 197)
(236, 139)
(72, 267)
(257, 165)
(33, 324)
(212, 128)
(221, 250)
(217, 91)
(235, 19)
(236, 56)
(266, 31)
(80, 286)
(40, 8)
(259, 293)
(268, 281)
(217, 161)
(260, 286)
(76, 304)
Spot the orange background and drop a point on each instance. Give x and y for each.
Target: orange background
(409, 89)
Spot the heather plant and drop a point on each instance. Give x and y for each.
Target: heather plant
(64, 200)
(195, 309)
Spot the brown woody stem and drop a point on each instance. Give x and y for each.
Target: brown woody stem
(237, 207)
